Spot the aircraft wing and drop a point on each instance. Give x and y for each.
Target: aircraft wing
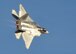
(23, 15)
(21, 11)
(27, 37)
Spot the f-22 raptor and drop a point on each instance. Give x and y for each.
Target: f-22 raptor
(26, 27)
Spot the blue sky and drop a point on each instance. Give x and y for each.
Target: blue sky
(58, 16)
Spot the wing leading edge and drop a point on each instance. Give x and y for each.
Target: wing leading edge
(27, 39)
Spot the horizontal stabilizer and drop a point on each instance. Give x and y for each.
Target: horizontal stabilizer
(18, 35)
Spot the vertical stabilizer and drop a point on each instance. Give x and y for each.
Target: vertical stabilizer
(15, 15)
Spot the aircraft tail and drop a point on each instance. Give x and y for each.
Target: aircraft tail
(15, 15)
(18, 33)
(22, 12)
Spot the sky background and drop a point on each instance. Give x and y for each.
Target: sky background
(57, 16)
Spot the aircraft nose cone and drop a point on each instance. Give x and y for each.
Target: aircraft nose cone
(47, 32)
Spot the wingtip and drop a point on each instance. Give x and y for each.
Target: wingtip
(20, 5)
(27, 48)
(27, 45)
(12, 11)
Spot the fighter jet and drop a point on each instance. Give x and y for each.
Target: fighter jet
(26, 27)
